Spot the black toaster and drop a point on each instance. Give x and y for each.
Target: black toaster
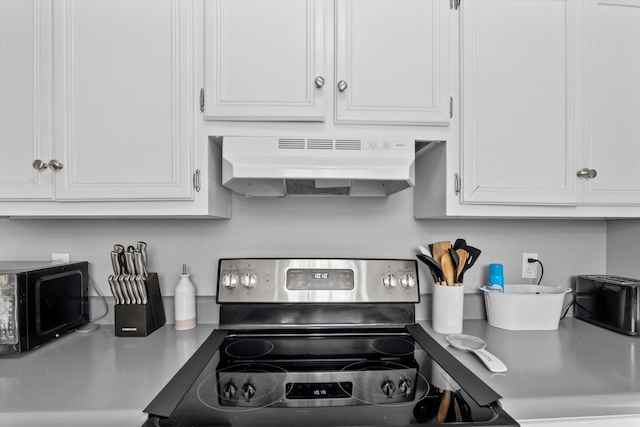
(612, 302)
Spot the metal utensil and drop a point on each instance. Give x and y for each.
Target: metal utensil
(130, 263)
(142, 247)
(139, 263)
(115, 263)
(133, 287)
(114, 291)
(477, 346)
(142, 289)
(124, 289)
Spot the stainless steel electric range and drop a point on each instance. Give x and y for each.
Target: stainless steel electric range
(322, 342)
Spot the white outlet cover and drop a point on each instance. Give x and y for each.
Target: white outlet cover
(529, 270)
(62, 257)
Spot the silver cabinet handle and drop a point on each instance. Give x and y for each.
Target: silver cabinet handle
(39, 165)
(319, 81)
(587, 173)
(55, 165)
(342, 85)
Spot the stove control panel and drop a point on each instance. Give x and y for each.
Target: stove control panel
(249, 388)
(271, 280)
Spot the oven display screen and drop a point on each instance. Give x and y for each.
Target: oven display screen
(305, 279)
(319, 390)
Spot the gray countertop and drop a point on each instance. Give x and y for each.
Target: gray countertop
(579, 370)
(97, 376)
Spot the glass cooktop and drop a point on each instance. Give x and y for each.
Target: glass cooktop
(333, 378)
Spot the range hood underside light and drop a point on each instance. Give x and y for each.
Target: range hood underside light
(308, 187)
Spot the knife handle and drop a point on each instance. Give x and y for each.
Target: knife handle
(142, 247)
(133, 288)
(131, 266)
(112, 285)
(115, 262)
(120, 284)
(142, 289)
(140, 267)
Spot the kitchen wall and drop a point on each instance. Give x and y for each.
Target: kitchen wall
(623, 248)
(321, 227)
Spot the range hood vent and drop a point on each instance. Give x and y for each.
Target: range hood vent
(271, 166)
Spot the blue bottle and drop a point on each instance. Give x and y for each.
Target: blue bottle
(496, 278)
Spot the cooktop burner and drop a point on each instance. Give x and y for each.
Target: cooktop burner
(248, 348)
(393, 346)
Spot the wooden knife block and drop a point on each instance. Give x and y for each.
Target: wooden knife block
(139, 320)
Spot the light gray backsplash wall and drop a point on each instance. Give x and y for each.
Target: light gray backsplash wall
(623, 248)
(311, 227)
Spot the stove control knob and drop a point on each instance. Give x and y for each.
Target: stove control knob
(407, 281)
(248, 391)
(230, 391)
(405, 387)
(388, 388)
(229, 280)
(389, 281)
(249, 280)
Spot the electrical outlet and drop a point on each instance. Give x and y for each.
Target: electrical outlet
(529, 269)
(61, 257)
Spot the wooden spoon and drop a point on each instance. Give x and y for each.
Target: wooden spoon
(462, 262)
(448, 268)
(444, 407)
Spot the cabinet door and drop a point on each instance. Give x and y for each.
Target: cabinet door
(262, 60)
(392, 62)
(521, 91)
(25, 100)
(614, 123)
(124, 99)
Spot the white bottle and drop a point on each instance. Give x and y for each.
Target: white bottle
(184, 300)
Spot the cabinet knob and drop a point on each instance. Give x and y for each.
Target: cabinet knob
(587, 173)
(342, 85)
(55, 165)
(39, 165)
(319, 81)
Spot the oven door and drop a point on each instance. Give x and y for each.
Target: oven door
(423, 386)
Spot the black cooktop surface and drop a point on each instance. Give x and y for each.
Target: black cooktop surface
(328, 378)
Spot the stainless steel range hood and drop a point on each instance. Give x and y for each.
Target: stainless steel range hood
(272, 166)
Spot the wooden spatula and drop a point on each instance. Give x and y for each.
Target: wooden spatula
(440, 248)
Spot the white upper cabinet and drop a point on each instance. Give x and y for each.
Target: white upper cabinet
(25, 99)
(551, 102)
(98, 108)
(378, 62)
(521, 94)
(265, 60)
(549, 114)
(612, 116)
(392, 62)
(124, 101)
